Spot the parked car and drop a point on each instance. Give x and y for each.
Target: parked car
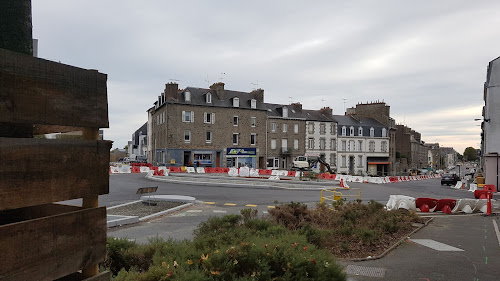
(449, 179)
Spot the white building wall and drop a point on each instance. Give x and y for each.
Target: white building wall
(360, 168)
(491, 126)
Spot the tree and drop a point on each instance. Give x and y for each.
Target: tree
(460, 157)
(470, 154)
(125, 147)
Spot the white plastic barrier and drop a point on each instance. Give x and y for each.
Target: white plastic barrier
(233, 172)
(190, 170)
(274, 178)
(458, 185)
(200, 170)
(473, 187)
(125, 169)
(401, 202)
(244, 172)
(465, 206)
(282, 173)
(144, 169)
(357, 179)
(254, 173)
(114, 170)
(298, 174)
(481, 205)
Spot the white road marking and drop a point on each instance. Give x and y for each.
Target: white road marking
(220, 211)
(194, 211)
(495, 225)
(438, 246)
(265, 212)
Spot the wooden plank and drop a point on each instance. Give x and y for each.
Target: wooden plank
(49, 129)
(40, 171)
(38, 91)
(103, 276)
(48, 248)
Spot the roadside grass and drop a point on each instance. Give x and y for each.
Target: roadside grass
(291, 243)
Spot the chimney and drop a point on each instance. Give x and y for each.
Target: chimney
(258, 95)
(327, 111)
(297, 107)
(16, 28)
(219, 89)
(171, 91)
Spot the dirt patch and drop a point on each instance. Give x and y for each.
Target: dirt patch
(142, 209)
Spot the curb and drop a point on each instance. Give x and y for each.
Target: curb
(392, 247)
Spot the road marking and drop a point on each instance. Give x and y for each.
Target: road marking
(210, 203)
(250, 205)
(194, 211)
(438, 246)
(271, 207)
(229, 204)
(495, 225)
(220, 211)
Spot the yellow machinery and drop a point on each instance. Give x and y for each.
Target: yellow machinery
(339, 193)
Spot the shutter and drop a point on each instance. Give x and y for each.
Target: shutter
(192, 116)
(205, 117)
(183, 115)
(213, 118)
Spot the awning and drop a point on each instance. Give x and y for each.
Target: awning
(379, 163)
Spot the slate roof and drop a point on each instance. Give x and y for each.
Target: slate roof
(365, 123)
(317, 115)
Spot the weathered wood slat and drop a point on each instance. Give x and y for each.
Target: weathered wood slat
(49, 129)
(38, 91)
(50, 247)
(40, 171)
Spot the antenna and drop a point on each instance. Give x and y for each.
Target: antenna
(174, 80)
(291, 100)
(256, 85)
(344, 104)
(222, 73)
(208, 82)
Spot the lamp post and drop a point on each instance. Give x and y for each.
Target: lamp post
(459, 175)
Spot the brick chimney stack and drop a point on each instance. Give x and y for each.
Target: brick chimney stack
(258, 95)
(327, 111)
(171, 91)
(297, 107)
(219, 89)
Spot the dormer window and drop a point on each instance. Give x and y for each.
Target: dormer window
(360, 131)
(253, 103)
(372, 132)
(343, 130)
(208, 98)
(351, 131)
(187, 96)
(384, 132)
(236, 102)
(285, 112)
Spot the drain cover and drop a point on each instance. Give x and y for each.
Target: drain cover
(365, 271)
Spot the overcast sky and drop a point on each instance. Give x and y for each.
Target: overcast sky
(426, 59)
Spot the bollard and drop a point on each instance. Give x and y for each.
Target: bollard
(488, 204)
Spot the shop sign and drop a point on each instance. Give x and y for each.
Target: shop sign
(241, 151)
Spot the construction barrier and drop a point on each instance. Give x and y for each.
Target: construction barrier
(337, 193)
(135, 170)
(397, 202)
(175, 169)
(459, 185)
(254, 173)
(445, 205)
(465, 206)
(426, 204)
(200, 170)
(263, 172)
(244, 172)
(291, 174)
(343, 184)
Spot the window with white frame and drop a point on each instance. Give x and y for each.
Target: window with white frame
(322, 128)
(284, 144)
(344, 145)
(384, 146)
(187, 136)
(208, 98)
(295, 128)
(208, 137)
(310, 128)
(333, 144)
(187, 96)
(360, 161)
(360, 131)
(253, 103)
(209, 118)
(273, 143)
(296, 144)
(253, 121)
(371, 146)
(235, 120)
(236, 102)
(344, 129)
(253, 139)
(384, 133)
(187, 116)
(285, 111)
(351, 131)
(372, 132)
(344, 162)
(360, 144)
(333, 160)
(352, 145)
(322, 143)
(235, 138)
(284, 127)
(273, 162)
(273, 127)
(310, 143)
(333, 129)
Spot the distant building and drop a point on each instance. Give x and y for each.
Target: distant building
(138, 144)
(411, 150)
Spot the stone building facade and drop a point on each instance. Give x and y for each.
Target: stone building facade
(321, 137)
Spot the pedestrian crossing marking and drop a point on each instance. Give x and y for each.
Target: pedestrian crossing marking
(438, 246)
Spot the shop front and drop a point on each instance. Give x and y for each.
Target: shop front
(241, 157)
(378, 166)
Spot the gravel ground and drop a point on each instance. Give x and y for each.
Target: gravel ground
(142, 209)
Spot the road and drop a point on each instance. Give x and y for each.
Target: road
(181, 224)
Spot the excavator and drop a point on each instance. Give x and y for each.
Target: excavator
(306, 163)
